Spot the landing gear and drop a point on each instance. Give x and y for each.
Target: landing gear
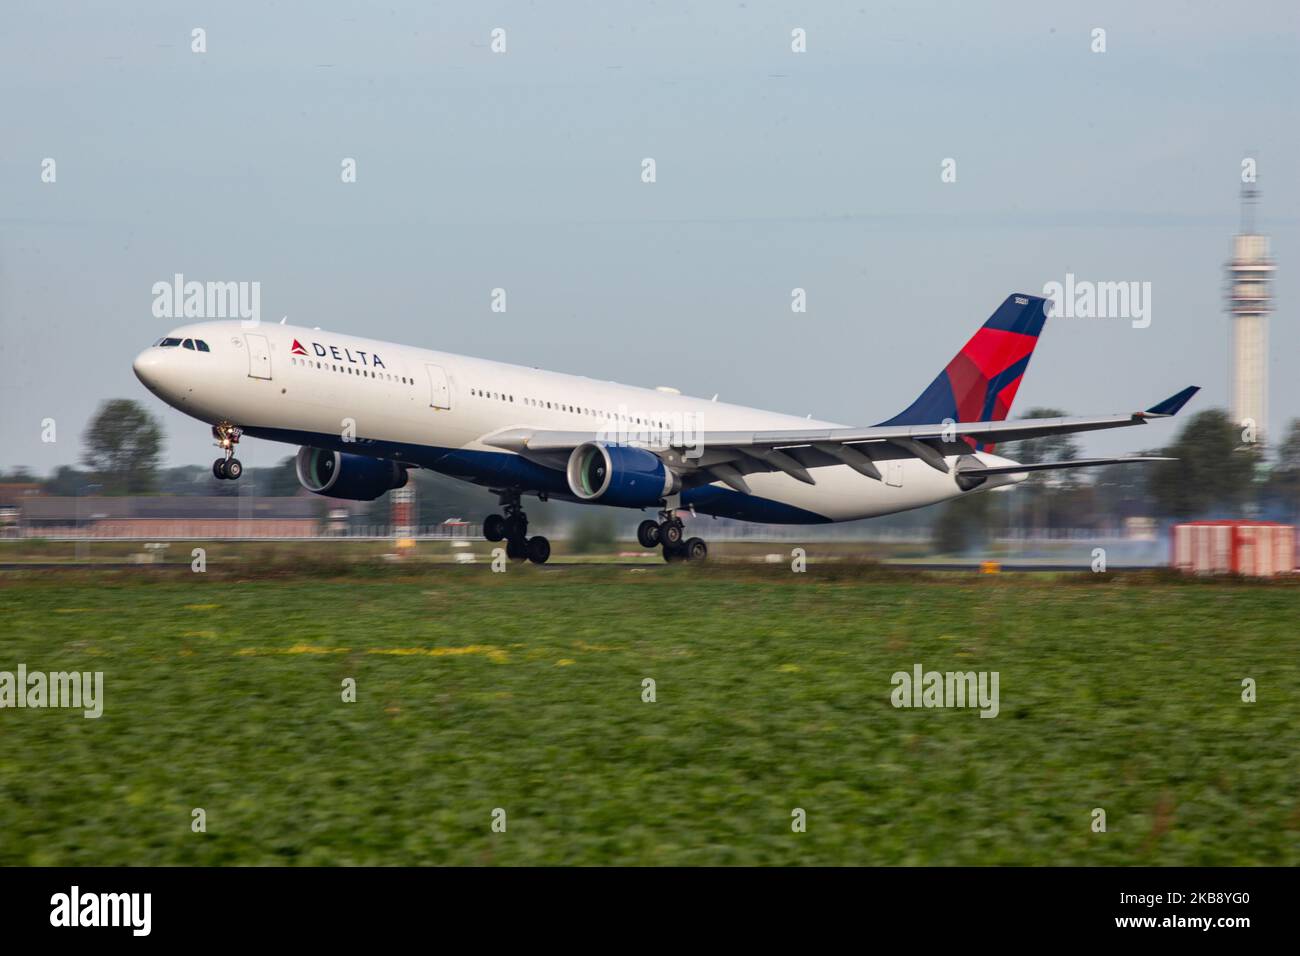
(670, 533)
(512, 528)
(227, 468)
(227, 436)
(647, 534)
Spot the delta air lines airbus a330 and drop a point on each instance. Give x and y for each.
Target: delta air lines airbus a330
(365, 412)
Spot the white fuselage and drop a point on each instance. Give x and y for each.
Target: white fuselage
(433, 409)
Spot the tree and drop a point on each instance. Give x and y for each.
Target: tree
(280, 481)
(1213, 473)
(964, 524)
(66, 481)
(123, 444)
(1048, 447)
(593, 532)
(1282, 491)
(1048, 499)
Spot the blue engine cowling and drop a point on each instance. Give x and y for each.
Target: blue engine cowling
(354, 477)
(619, 475)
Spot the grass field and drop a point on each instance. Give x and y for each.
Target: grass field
(523, 691)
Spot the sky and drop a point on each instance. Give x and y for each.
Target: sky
(522, 170)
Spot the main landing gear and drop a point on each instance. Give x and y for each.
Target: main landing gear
(227, 437)
(670, 533)
(512, 528)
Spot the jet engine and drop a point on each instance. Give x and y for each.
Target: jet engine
(354, 477)
(619, 475)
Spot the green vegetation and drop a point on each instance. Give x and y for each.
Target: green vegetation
(524, 691)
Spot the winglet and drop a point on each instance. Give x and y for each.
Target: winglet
(1174, 403)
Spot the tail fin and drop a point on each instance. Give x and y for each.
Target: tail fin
(980, 383)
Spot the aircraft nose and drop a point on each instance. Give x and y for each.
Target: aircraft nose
(146, 366)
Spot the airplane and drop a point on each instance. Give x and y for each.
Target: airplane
(365, 412)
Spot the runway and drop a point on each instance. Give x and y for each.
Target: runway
(561, 565)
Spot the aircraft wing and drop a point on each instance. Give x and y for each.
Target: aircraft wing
(729, 455)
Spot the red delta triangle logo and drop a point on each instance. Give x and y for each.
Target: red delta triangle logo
(297, 348)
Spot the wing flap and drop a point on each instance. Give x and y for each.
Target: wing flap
(1053, 465)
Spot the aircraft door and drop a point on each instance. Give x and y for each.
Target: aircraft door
(894, 473)
(439, 392)
(259, 356)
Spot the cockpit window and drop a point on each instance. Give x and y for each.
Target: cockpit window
(203, 346)
(169, 343)
(189, 344)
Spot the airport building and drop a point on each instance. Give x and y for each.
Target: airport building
(176, 516)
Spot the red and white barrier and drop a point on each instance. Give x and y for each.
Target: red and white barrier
(1252, 548)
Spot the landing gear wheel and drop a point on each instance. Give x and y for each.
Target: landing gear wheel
(647, 534)
(696, 549)
(539, 549)
(670, 533)
(494, 528)
(219, 469)
(233, 469)
(516, 549)
(674, 552)
(515, 526)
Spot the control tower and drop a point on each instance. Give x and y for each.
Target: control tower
(1250, 302)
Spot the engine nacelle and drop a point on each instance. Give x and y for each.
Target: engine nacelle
(354, 477)
(619, 475)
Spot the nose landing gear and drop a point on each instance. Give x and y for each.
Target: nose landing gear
(513, 529)
(227, 437)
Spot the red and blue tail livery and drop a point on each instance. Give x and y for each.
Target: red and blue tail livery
(980, 382)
